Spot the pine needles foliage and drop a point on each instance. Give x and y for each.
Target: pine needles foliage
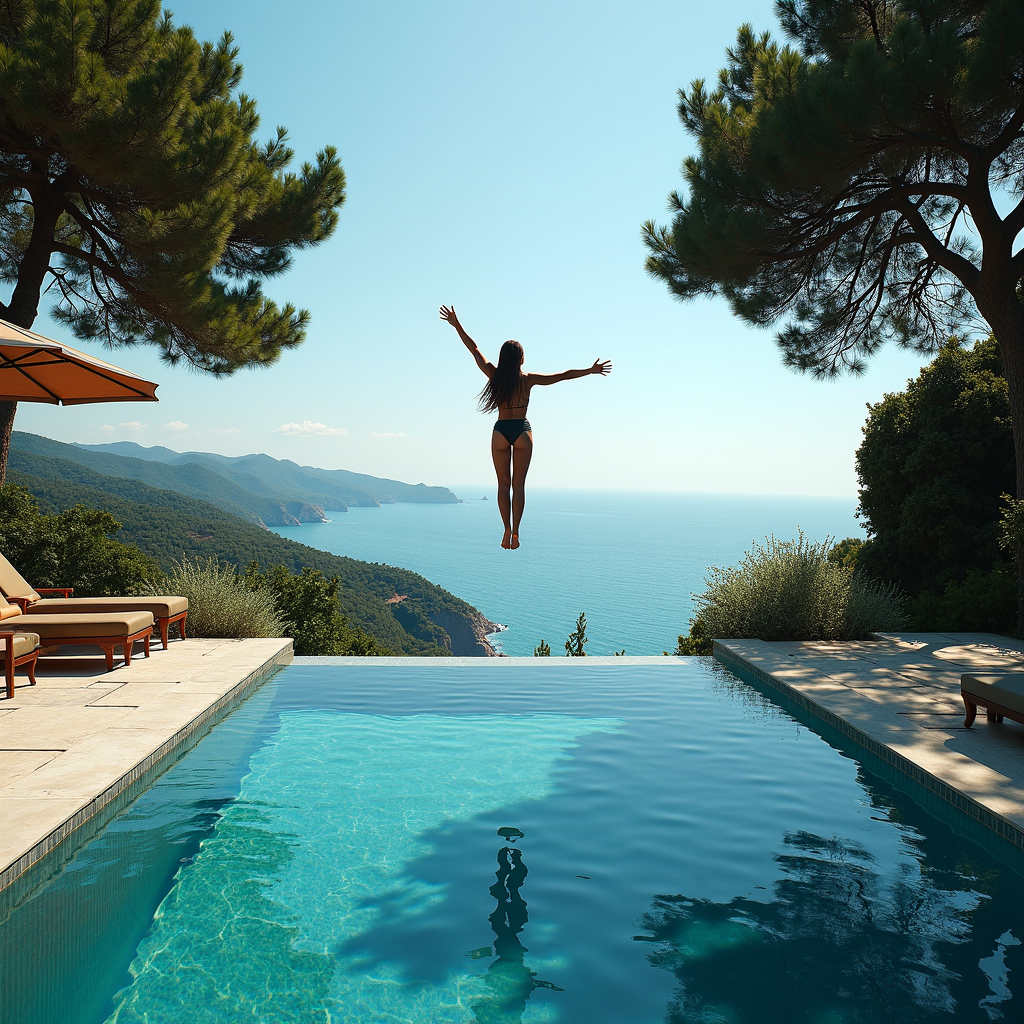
(861, 181)
(134, 189)
(133, 180)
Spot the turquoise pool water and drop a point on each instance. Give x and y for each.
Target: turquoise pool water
(345, 847)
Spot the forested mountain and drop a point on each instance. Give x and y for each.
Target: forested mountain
(263, 472)
(167, 525)
(258, 488)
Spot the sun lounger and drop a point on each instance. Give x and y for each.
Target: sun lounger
(107, 630)
(1000, 693)
(41, 601)
(19, 649)
(165, 610)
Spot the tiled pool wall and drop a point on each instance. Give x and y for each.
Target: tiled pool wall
(47, 858)
(963, 814)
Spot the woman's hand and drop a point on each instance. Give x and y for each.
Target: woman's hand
(603, 367)
(448, 313)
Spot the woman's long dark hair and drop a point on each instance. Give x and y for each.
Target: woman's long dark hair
(506, 383)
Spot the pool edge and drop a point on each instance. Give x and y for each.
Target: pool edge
(962, 802)
(45, 857)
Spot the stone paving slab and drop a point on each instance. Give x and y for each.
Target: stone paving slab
(73, 744)
(899, 696)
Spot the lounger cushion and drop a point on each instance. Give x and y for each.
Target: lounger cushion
(1004, 688)
(13, 584)
(24, 643)
(161, 607)
(54, 627)
(7, 609)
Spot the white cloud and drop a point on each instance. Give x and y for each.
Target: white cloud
(221, 431)
(389, 433)
(107, 428)
(175, 425)
(307, 428)
(134, 425)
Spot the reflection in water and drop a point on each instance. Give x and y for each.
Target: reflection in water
(509, 981)
(839, 942)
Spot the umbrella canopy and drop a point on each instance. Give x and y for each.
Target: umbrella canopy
(36, 369)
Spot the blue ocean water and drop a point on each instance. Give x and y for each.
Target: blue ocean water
(629, 560)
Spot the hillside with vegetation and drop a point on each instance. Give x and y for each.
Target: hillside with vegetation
(257, 488)
(168, 526)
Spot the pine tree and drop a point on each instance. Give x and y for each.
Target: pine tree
(543, 650)
(862, 184)
(133, 187)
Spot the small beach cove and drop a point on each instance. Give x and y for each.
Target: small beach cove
(629, 559)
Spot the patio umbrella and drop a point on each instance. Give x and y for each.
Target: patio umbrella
(36, 369)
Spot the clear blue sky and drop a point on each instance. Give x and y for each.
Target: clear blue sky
(500, 157)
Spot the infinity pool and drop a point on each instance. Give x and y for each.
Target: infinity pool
(518, 841)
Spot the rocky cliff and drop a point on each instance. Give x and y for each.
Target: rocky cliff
(467, 632)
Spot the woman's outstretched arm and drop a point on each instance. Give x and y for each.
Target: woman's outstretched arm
(448, 313)
(600, 367)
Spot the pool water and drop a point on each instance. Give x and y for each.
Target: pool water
(509, 841)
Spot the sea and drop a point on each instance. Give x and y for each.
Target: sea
(631, 561)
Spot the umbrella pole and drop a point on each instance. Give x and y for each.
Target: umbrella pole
(7, 413)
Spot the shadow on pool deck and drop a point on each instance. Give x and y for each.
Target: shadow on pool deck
(899, 696)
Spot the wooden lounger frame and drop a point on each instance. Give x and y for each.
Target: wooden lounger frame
(163, 622)
(993, 712)
(108, 643)
(28, 660)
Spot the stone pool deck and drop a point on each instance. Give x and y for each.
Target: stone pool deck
(899, 696)
(79, 743)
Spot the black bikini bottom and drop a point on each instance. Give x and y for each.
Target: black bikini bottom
(511, 430)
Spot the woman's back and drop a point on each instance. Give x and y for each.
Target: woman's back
(516, 408)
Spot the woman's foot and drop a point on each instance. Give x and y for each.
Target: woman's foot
(515, 541)
(506, 541)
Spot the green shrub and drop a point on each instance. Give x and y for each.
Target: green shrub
(790, 590)
(698, 643)
(577, 639)
(542, 650)
(933, 463)
(72, 548)
(984, 602)
(220, 604)
(846, 552)
(308, 603)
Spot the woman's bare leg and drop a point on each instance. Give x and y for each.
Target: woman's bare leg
(522, 452)
(501, 453)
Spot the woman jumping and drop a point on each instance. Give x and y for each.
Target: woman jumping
(508, 390)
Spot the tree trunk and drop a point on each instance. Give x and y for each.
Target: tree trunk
(7, 411)
(1009, 332)
(24, 304)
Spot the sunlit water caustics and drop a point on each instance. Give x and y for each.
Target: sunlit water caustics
(630, 560)
(501, 843)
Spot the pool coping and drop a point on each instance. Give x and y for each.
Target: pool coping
(50, 851)
(812, 691)
(518, 660)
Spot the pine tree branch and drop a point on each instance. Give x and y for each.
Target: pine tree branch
(1007, 136)
(963, 269)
